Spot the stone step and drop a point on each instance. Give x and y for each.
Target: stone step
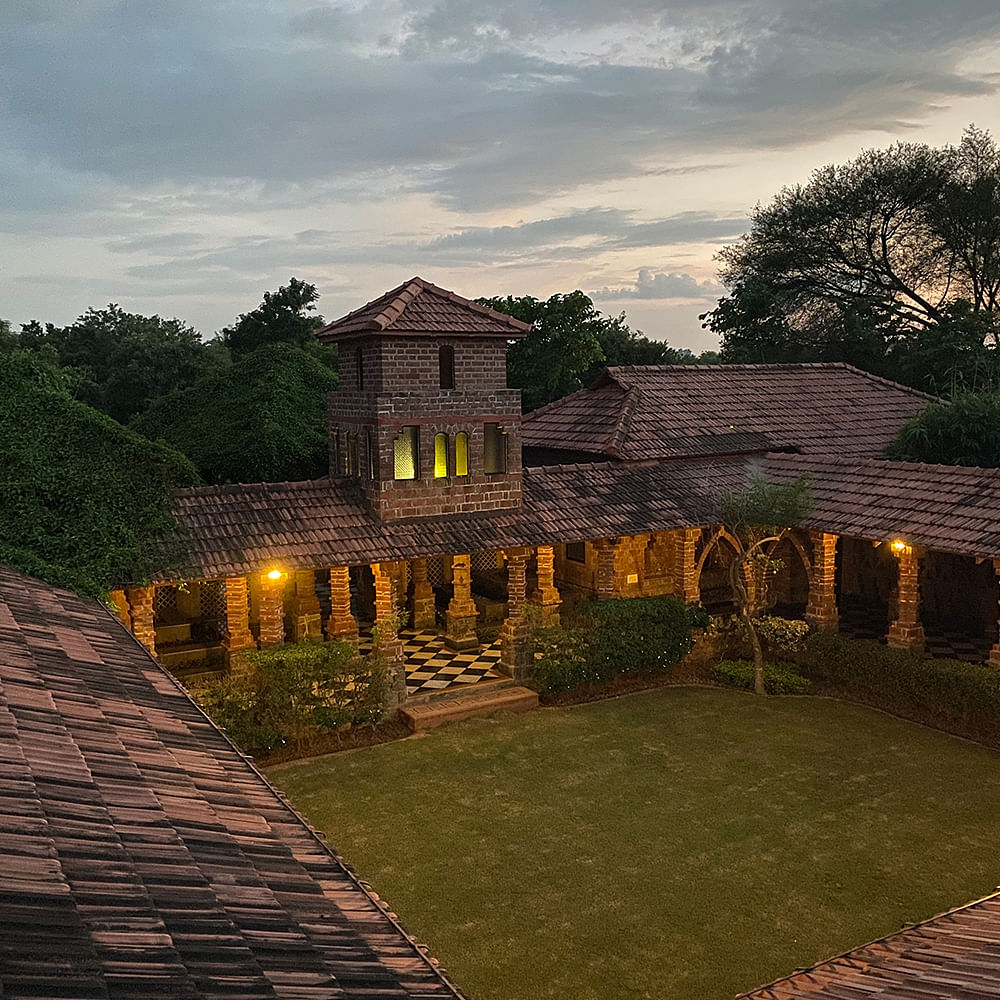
(458, 691)
(428, 714)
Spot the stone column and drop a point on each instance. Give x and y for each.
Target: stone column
(140, 602)
(387, 641)
(548, 595)
(906, 632)
(462, 613)
(239, 639)
(821, 610)
(272, 610)
(515, 634)
(686, 584)
(341, 625)
(994, 657)
(605, 581)
(120, 602)
(424, 616)
(307, 620)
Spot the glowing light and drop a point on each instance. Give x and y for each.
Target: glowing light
(275, 574)
(899, 545)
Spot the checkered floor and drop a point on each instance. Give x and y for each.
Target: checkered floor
(433, 666)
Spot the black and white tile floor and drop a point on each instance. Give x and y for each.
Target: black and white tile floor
(433, 666)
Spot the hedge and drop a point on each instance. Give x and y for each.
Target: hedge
(608, 639)
(962, 698)
(779, 678)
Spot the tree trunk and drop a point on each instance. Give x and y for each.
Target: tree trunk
(758, 658)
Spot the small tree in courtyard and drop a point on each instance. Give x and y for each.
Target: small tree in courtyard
(759, 517)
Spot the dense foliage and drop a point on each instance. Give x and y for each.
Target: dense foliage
(779, 678)
(293, 693)
(963, 698)
(890, 262)
(83, 500)
(964, 432)
(283, 317)
(262, 419)
(636, 635)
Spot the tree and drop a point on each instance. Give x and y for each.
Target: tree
(122, 361)
(570, 342)
(860, 262)
(263, 419)
(84, 502)
(759, 517)
(282, 317)
(965, 431)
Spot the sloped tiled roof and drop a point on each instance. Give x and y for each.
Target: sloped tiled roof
(668, 411)
(141, 855)
(954, 956)
(231, 530)
(944, 507)
(418, 308)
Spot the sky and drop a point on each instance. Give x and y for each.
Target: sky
(184, 156)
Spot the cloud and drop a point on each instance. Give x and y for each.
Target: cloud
(662, 285)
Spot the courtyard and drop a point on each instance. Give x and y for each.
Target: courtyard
(681, 843)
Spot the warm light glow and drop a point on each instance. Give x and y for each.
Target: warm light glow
(899, 545)
(275, 574)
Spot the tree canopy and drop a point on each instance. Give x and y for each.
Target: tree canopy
(890, 261)
(965, 431)
(264, 418)
(570, 341)
(84, 502)
(283, 317)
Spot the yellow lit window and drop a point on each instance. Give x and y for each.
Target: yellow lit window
(406, 449)
(461, 454)
(440, 456)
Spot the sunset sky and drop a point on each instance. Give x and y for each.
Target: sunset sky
(184, 156)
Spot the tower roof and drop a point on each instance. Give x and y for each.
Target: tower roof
(417, 308)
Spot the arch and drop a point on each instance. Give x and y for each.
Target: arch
(720, 535)
(440, 456)
(461, 454)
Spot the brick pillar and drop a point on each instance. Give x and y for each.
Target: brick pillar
(272, 611)
(515, 634)
(239, 639)
(424, 616)
(994, 657)
(605, 581)
(821, 610)
(548, 595)
(906, 632)
(120, 602)
(686, 584)
(462, 613)
(140, 602)
(341, 624)
(307, 620)
(387, 641)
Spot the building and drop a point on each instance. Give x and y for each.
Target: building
(444, 500)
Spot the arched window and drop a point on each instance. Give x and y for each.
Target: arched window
(461, 454)
(406, 452)
(440, 456)
(446, 365)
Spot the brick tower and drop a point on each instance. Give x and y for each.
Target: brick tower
(423, 418)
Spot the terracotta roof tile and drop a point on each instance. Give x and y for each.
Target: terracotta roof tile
(667, 411)
(141, 854)
(418, 308)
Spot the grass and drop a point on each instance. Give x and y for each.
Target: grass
(682, 844)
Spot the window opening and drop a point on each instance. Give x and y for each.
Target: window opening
(370, 456)
(338, 468)
(494, 448)
(405, 453)
(361, 369)
(446, 365)
(461, 454)
(440, 456)
(353, 458)
(576, 552)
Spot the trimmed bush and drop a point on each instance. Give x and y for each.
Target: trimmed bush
(632, 635)
(781, 633)
(963, 698)
(292, 693)
(779, 678)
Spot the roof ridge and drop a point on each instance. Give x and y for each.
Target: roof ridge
(896, 385)
(624, 422)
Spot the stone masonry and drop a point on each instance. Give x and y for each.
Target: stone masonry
(387, 641)
(462, 612)
(341, 624)
(906, 632)
(424, 615)
(140, 602)
(821, 610)
(515, 634)
(272, 611)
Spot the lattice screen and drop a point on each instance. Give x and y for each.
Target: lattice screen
(435, 571)
(484, 562)
(213, 599)
(165, 601)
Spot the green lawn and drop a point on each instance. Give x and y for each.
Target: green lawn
(683, 844)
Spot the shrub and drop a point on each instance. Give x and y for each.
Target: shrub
(963, 698)
(779, 678)
(781, 633)
(633, 635)
(291, 693)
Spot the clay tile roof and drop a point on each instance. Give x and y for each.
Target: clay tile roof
(944, 507)
(142, 855)
(954, 956)
(418, 309)
(664, 411)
